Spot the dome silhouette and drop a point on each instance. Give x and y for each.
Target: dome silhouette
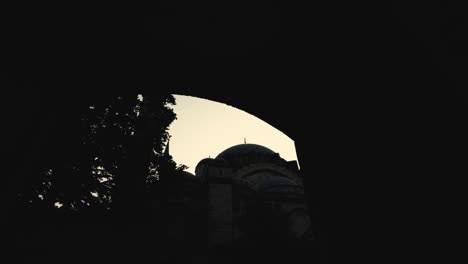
(243, 150)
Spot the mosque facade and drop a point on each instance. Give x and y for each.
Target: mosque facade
(248, 192)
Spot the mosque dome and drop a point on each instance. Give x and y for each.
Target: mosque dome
(209, 161)
(243, 150)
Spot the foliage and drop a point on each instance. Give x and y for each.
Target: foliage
(106, 149)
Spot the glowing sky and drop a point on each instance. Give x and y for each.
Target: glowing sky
(205, 128)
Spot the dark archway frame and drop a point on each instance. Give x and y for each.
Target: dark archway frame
(346, 92)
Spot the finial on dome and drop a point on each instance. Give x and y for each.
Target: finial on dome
(245, 141)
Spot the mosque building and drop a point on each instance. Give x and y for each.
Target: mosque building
(248, 191)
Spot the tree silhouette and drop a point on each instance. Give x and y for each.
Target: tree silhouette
(115, 158)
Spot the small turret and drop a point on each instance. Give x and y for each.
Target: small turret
(166, 150)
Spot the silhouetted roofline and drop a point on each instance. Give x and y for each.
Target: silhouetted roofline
(244, 149)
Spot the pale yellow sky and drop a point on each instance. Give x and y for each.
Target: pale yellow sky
(205, 128)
